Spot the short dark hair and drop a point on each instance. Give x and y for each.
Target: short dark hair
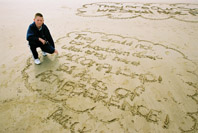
(38, 15)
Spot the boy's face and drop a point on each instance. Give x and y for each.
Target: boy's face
(39, 21)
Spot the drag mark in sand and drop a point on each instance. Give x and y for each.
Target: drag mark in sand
(102, 76)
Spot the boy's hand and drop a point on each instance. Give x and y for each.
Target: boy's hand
(41, 40)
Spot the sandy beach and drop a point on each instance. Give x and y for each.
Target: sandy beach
(123, 67)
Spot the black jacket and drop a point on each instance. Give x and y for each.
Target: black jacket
(33, 34)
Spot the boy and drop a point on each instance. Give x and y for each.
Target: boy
(38, 35)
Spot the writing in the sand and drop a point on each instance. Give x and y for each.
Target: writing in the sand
(126, 10)
(109, 72)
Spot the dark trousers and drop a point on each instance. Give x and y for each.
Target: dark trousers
(45, 48)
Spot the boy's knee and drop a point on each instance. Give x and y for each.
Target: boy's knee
(51, 51)
(48, 49)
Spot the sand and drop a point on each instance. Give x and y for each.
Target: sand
(123, 67)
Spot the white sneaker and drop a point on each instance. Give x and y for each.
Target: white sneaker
(37, 61)
(44, 53)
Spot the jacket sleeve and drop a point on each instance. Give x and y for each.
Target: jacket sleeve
(31, 34)
(48, 36)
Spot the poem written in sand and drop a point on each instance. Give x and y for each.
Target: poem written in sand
(103, 81)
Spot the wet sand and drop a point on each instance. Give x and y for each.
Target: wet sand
(122, 67)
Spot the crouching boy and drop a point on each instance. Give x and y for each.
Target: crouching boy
(38, 35)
